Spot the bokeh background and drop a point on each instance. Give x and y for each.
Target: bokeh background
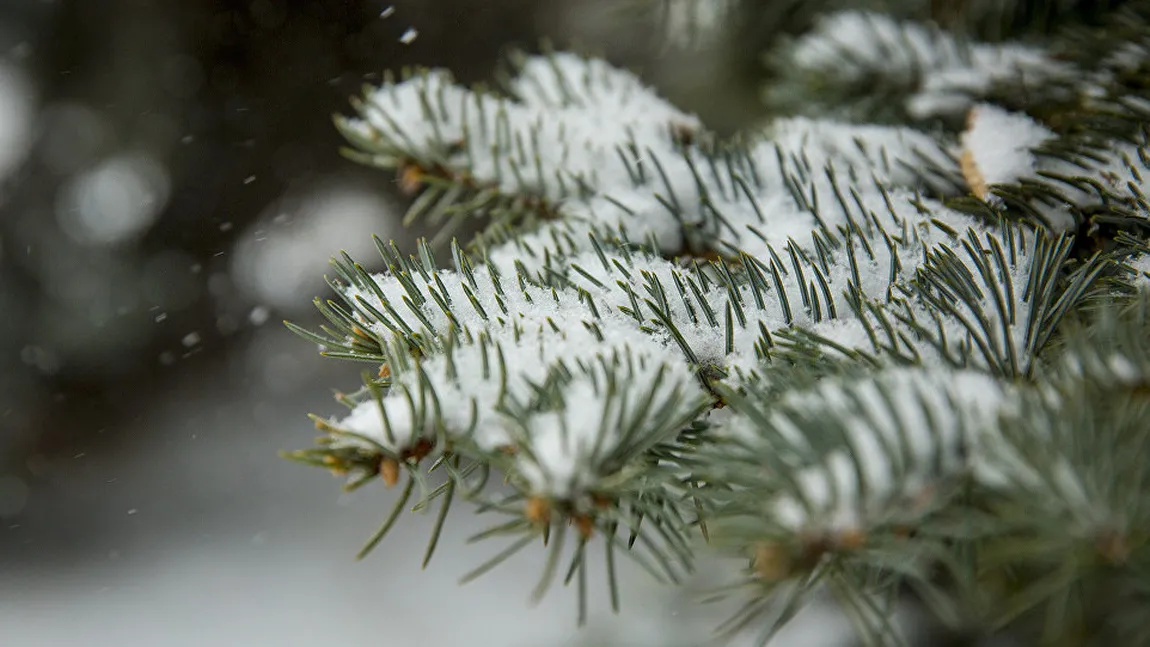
(170, 190)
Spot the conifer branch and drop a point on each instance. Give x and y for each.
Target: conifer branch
(866, 355)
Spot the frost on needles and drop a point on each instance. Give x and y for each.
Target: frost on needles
(865, 358)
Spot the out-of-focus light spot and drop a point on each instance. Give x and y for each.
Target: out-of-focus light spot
(115, 201)
(409, 36)
(259, 316)
(281, 263)
(13, 495)
(387, 11)
(191, 339)
(15, 117)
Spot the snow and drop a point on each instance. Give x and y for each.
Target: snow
(999, 145)
(570, 351)
(562, 134)
(501, 367)
(1141, 268)
(927, 417)
(891, 153)
(534, 330)
(615, 171)
(569, 447)
(944, 75)
(1003, 148)
(558, 459)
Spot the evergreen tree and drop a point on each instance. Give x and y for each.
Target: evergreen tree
(893, 342)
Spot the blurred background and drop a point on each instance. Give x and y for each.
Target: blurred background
(170, 182)
(170, 190)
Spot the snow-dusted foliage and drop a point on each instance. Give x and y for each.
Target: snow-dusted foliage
(814, 344)
(1003, 148)
(997, 147)
(925, 71)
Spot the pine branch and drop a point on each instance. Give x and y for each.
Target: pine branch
(867, 358)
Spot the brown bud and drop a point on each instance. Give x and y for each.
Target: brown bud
(418, 451)
(585, 525)
(335, 465)
(969, 167)
(384, 370)
(410, 179)
(973, 176)
(538, 510)
(851, 539)
(389, 471)
(772, 561)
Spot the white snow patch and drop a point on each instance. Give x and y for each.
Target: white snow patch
(1000, 143)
